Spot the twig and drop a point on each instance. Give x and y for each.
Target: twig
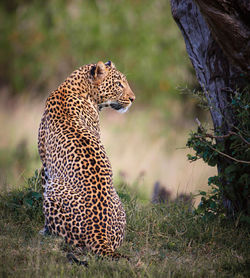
(224, 154)
(241, 137)
(224, 136)
(228, 156)
(213, 136)
(198, 122)
(221, 136)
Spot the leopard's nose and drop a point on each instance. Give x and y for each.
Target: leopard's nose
(132, 98)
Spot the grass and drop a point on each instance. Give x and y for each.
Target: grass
(164, 240)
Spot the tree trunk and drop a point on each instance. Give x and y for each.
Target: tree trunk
(212, 54)
(228, 20)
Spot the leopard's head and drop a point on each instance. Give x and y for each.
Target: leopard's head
(112, 87)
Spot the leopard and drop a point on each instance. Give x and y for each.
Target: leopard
(80, 202)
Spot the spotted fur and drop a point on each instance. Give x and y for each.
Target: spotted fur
(80, 202)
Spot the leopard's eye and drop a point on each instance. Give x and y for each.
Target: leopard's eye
(119, 84)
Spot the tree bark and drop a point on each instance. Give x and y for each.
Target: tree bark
(228, 20)
(220, 60)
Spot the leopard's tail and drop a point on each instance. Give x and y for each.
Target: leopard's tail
(72, 259)
(105, 250)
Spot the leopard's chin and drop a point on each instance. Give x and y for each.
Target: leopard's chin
(116, 106)
(120, 108)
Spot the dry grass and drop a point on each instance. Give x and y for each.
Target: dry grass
(141, 144)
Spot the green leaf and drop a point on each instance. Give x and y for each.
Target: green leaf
(28, 202)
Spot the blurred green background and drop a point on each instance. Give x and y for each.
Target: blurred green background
(42, 42)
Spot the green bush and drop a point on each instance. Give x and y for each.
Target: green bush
(234, 182)
(24, 203)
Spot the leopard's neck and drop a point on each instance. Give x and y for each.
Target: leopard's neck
(89, 116)
(79, 109)
(79, 101)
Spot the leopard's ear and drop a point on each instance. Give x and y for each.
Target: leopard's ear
(100, 72)
(110, 64)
